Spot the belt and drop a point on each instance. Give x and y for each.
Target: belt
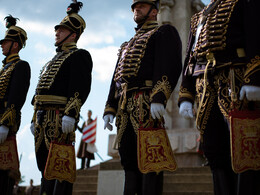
(126, 87)
(49, 99)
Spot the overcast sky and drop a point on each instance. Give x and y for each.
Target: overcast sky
(108, 24)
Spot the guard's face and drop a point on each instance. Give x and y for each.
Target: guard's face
(140, 11)
(5, 46)
(60, 34)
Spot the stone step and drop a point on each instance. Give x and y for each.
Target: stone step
(87, 179)
(187, 187)
(187, 178)
(188, 193)
(83, 192)
(87, 172)
(85, 186)
(193, 170)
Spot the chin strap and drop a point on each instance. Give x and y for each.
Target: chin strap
(10, 48)
(147, 15)
(60, 43)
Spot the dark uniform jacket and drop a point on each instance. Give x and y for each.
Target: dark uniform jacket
(149, 64)
(225, 56)
(151, 59)
(14, 84)
(63, 87)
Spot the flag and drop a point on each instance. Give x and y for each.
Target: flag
(89, 132)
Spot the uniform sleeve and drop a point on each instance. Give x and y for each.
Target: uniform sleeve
(167, 63)
(17, 92)
(112, 101)
(187, 87)
(251, 28)
(79, 83)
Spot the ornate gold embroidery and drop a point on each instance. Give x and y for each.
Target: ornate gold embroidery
(108, 108)
(162, 86)
(184, 93)
(137, 111)
(73, 104)
(5, 75)
(204, 112)
(132, 52)
(213, 35)
(9, 116)
(244, 143)
(51, 69)
(252, 67)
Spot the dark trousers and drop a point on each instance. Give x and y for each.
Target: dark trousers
(216, 147)
(135, 181)
(83, 161)
(50, 187)
(6, 183)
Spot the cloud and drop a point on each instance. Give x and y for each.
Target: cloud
(31, 156)
(104, 61)
(23, 132)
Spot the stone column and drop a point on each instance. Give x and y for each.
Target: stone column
(182, 132)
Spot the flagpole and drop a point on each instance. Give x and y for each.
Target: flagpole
(99, 156)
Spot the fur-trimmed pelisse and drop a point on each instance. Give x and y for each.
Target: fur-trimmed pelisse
(14, 33)
(73, 21)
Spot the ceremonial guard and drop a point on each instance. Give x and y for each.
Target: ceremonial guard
(147, 70)
(221, 74)
(63, 87)
(14, 83)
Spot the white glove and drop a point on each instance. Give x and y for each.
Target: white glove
(252, 93)
(68, 124)
(3, 133)
(186, 110)
(108, 119)
(157, 110)
(32, 127)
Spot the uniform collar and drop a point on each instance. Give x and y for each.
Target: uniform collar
(11, 58)
(67, 47)
(149, 25)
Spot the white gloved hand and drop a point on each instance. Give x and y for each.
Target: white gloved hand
(68, 124)
(186, 110)
(32, 127)
(252, 93)
(157, 110)
(3, 133)
(108, 119)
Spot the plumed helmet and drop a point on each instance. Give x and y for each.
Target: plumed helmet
(73, 21)
(14, 33)
(155, 3)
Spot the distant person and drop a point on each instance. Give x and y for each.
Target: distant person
(29, 189)
(16, 189)
(63, 87)
(82, 151)
(14, 84)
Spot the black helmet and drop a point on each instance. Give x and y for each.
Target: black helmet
(155, 3)
(73, 21)
(14, 33)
